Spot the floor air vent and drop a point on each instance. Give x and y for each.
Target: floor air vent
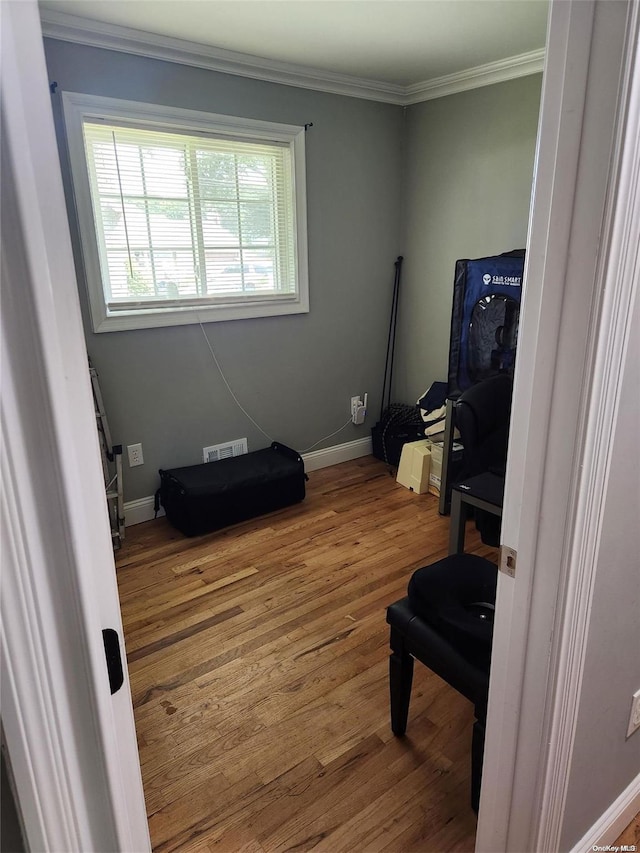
(224, 451)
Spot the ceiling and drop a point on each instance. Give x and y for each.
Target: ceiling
(397, 42)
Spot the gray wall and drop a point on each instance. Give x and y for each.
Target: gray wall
(467, 187)
(295, 375)
(441, 180)
(604, 761)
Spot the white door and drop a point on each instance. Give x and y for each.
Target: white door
(72, 745)
(572, 341)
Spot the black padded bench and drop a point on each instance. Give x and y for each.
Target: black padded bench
(446, 622)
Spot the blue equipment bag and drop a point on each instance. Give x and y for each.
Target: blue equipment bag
(484, 319)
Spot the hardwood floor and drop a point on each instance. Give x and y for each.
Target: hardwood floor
(631, 836)
(258, 661)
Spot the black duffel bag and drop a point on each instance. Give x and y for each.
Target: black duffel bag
(200, 498)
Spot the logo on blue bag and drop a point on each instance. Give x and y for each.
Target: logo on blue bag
(504, 280)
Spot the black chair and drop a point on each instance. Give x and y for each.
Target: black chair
(446, 622)
(482, 415)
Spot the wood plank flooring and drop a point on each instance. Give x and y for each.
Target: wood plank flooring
(258, 662)
(631, 836)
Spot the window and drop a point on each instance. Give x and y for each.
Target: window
(186, 216)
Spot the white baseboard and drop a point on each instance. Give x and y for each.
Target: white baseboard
(614, 821)
(338, 453)
(135, 512)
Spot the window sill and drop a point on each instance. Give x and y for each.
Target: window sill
(154, 318)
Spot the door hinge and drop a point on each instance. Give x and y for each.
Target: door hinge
(114, 659)
(508, 560)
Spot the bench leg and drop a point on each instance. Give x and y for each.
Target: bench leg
(400, 680)
(457, 523)
(477, 755)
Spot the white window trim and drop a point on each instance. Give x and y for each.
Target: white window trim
(79, 106)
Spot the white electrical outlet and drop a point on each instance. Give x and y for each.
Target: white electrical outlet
(358, 410)
(134, 451)
(634, 716)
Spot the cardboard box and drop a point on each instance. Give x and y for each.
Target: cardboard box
(415, 465)
(435, 474)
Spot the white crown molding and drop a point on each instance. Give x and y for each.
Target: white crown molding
(473, 78)
(65, 27)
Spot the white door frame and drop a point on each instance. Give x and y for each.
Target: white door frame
(71, 744)
(59, 588)
(572, 341)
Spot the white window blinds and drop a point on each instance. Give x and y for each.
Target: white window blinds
(190, 219)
